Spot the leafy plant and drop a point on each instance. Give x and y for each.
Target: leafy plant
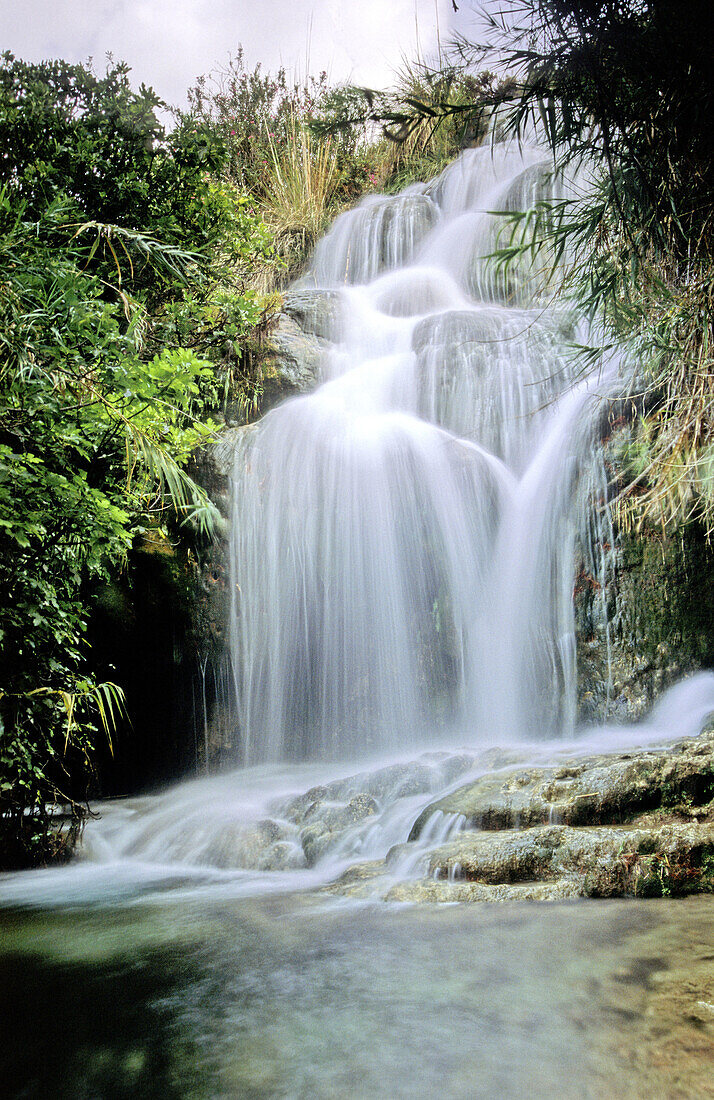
(424, 120)
(114, 318)
(621, 92)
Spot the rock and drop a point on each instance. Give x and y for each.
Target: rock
(267, 845)
(314, 840)
(293, 363)
(358, 881)
(324, 813)
(327, 820)
(289, 360)
(221, 454)
(284, 855)
(649, 623)
(317, 312)
(433, 771)
(443, 892)
(594, 861)
(606, 788)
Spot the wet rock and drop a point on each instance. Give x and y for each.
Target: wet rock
(432, 772)
(358, 881)
(325, 821)
(647, 622)
(293, 363)
(337, 817)
(317, 312)
(284, 855)
(442, 892)
(606, 788)
(314, 840)
(221, 456)
(594, 861)
(325, 812)
(264, 845)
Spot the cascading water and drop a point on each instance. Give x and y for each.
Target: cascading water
(402, 558)
(402, 548)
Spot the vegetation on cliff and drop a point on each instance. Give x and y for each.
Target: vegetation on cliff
(622, 92)
(118, 257)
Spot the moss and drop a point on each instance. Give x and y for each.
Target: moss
(666, 599)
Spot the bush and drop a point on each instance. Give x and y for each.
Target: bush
(110, 310)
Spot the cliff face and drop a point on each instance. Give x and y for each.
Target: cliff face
(653, 624)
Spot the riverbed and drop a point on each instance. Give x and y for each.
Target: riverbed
(188, 993)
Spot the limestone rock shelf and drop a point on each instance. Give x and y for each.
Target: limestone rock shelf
(637, 823)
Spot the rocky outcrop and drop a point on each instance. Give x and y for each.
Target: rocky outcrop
(619, 824)
(605, 788)
(316, 312)
(651, 625)
(292, 362)
(557, 861)
(290, 356)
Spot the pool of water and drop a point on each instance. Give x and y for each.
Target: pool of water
(192, 995)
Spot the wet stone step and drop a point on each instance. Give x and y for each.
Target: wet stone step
(590, 861)
(606, 788)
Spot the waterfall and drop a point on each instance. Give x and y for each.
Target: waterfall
(403, 538)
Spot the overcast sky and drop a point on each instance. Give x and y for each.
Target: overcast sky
(170, 42)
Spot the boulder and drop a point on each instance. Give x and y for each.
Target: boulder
(317, 312)
(591, 861)
(292, 363)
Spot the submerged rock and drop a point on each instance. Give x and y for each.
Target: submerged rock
(326, 820)
(326, 813)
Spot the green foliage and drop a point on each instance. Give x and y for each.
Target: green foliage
(622, 92)
(112, 320)
(259, 117)
(425, 120)
(252, 113)
(296, 179)
(65, 131)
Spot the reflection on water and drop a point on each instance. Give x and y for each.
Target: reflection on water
(294, 997)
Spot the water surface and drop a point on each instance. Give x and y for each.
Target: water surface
(303, 997)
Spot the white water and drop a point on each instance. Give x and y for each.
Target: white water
(403, 538)
(402, 563)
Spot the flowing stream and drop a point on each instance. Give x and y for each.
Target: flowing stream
(402, 562)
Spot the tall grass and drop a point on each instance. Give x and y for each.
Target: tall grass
(423, 141)
(298, 196)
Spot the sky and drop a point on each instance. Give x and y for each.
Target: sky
(168, 43)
